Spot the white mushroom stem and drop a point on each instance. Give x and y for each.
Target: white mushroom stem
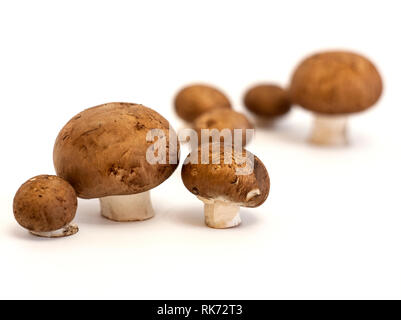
(135, 207)
(221, 214)
(65, 231)
(329, 130)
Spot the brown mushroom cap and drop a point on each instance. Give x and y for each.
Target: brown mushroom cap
(267, 100)
(194, 100)
(102, 151)
(336, 82)
(45, 203)
(220, 181)
(223, 119)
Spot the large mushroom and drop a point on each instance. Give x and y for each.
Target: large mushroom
(194, 100)
(333, 85)
(224, 179)
(103, 152)
(224, 119)
(268, 102)
(45, 205)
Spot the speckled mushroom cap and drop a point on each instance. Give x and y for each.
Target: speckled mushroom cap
(194, 100)
(267, 100)
(220, 181)
(336, 82)
(223, 119)
(102, 151)
(45, 203)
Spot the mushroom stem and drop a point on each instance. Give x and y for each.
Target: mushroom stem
(135, 207)
(65, 231)
(329, 130)
(221, 214)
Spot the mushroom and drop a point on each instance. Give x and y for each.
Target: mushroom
(222, 119)
(268, 102)
(223, 184)
(194, 100)
(103, 153)
(45, 205)
(333, 85)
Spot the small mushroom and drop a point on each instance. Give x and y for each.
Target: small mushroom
(102, 152)
(46, 205)
(222, 185)
(194, 100)
(333, 85)
(222, 119)
(268, 102)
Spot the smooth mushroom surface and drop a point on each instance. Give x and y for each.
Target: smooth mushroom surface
(102, 153)
(194, 100)
(219, 185)
(334, 85)
(45, 205)
(267, 101)
(221, 119)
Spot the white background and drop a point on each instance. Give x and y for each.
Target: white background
(331, 227)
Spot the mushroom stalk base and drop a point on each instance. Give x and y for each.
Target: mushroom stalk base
(329, 130)
(221, 214)
(65, 231)
(135, 207)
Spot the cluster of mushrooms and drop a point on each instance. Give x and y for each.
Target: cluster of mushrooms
(101, 152)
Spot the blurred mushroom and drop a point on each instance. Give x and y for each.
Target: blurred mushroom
(45, 205)
(102, 152)
(221, 119)
(268, 102)
(219, 185)
(334, 85)
(194, 100)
